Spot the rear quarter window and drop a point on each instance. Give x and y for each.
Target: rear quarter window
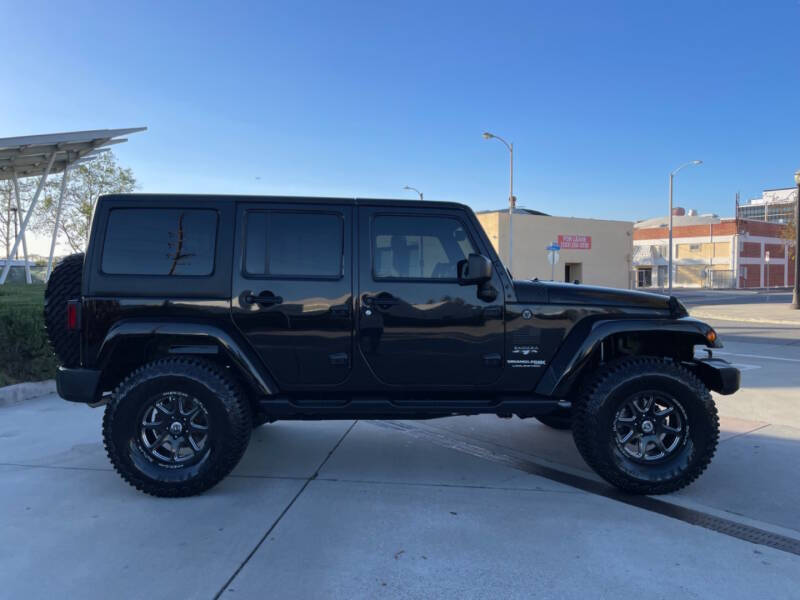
(171, 242)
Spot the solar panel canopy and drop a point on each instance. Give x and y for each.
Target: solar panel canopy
(29, 155)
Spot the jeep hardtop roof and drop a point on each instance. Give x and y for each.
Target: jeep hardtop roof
(296, 199)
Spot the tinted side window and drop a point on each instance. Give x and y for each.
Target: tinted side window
(408, 247)
(287, 244)
(160, 241)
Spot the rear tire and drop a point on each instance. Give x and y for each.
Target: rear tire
(646, 425)
(176, 427)
(64, 285)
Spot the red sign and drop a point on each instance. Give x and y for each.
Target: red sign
(575, 242)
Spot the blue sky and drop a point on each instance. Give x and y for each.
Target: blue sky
(601, 99)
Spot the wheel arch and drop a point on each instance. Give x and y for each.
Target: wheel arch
(604, 340)
(131, 343)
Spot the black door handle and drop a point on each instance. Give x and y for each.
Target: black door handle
(340, 312)
(381, 300)
(263, 299)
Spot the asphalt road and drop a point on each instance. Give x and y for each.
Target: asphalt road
(465, 507)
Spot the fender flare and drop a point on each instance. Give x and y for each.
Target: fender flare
(230, 343)
(581, 342)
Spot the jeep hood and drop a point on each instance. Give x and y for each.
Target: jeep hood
(549, 292)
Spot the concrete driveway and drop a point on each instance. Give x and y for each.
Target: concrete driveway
(380, 509)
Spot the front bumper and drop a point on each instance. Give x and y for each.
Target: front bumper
(719, 375)
(78, 385)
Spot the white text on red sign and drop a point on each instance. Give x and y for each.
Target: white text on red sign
(575, 242)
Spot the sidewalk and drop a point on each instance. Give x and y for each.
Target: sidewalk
(343, 509)
(768, 313)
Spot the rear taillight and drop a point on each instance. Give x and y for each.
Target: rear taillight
(73, 315)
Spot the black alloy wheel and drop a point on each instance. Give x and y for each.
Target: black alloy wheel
(650, 427)
(174, 430)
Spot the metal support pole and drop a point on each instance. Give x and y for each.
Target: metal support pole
(58, 220)
(16, 228)
(28, 215)
(8, 227)
(24, 241)
(669, 268)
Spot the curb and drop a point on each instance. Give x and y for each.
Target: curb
(20, 392)
(711, 315)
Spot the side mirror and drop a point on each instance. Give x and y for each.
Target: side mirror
(474, 270)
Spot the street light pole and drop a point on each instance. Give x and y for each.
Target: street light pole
(796, 294)
(408, 187)
(511, 200)
(671, 179)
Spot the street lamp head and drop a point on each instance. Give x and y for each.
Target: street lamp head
(797, 177)
(691, 163)
(487, 135)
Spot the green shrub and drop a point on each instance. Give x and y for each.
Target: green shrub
(25, 352)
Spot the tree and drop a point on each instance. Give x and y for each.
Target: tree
(85, 183)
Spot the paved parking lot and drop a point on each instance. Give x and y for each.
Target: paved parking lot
(461, 507)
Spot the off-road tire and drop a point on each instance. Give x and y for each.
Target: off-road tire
(228, 418)
(560, 419)
(64, 284)
(608, 389)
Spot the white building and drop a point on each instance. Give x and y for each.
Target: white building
(774, 206)
(709, 251)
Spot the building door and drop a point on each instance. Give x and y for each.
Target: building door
(573, 272)
(644, 277)
(292, 289)
(416, 325)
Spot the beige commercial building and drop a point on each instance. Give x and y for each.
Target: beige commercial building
(593, 251)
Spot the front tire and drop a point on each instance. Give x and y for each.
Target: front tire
(646, 425)
(176, 427)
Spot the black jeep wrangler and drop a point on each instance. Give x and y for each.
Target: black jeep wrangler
(196, 318)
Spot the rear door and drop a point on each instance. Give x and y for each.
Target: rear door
(293, 289)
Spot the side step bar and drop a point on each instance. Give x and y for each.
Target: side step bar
(372, 407)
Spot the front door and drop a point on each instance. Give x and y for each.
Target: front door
(292, 289)
(417, 325)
